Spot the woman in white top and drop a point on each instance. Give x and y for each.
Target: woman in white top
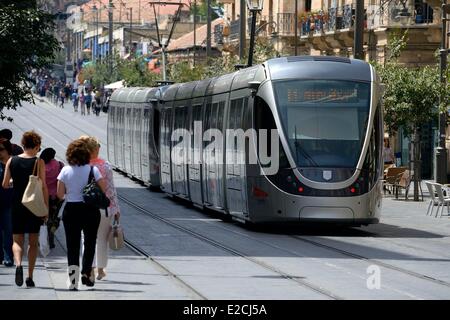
(388, 154)
(107, 216)
(78, 216)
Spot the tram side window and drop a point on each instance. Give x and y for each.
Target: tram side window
(264, 119)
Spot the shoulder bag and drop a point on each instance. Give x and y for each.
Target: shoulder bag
(93, 195)
(33, 197)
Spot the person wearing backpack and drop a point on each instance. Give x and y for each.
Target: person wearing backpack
(75, 100)
(88, 101)
(78, 216)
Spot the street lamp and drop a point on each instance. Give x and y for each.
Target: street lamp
(254, 6)
(441, 151)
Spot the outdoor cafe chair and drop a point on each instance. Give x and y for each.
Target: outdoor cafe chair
(434, 201)
(443, 201)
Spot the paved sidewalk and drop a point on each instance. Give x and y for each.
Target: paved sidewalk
(129, 276)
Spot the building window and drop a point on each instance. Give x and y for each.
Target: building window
(308, 5)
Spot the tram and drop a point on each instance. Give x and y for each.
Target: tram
(325, 119)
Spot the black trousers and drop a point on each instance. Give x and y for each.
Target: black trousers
(77, 218)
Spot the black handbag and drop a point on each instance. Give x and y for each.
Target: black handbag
(93, 195)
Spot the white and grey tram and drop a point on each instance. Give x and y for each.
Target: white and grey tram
(328, 116)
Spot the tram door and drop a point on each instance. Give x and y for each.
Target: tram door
(136, 146)
(213, 156)
(120, 137)
(235, 165)
(195, 178)
(166, 127)
(112, 129)
(180, 153)
(145, 142)
(128, 138)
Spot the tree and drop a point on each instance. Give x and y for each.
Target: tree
(136, 74)
(411, 98)
(27, 43)
(202, 9)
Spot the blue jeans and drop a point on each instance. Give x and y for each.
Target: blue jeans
(6, 237)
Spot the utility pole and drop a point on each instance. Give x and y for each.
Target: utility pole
(131, 30)
(358, 51)
(242, 29)
(441, 151)
(97, 38)
(164, 44)
(110, 37)
(296, 28)
(195, 29)
(208, 30)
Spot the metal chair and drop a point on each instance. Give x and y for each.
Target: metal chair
(434, 201)
(443, 201)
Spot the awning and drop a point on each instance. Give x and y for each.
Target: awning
(115, 85)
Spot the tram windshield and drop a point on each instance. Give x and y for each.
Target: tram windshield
(325, 120)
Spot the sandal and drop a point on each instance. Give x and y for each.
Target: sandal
(30, 283)
(19, 276)
(87, 281)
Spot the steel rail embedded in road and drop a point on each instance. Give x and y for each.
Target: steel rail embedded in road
(234, 252)
(373, 261)
(144, 253)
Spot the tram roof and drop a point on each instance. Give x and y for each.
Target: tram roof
(185, 90)
(143, 95)
(318, 67)
(122, 95)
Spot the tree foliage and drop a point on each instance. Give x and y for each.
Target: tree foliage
(27, 43)
(202, 8)
(134, 72)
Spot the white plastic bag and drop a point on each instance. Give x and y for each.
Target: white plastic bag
(44, 246)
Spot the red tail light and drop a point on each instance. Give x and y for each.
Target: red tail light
(352, 189)
(301, 189)
(260, 194)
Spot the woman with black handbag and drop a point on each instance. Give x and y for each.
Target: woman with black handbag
(79, 216)
(112, 213)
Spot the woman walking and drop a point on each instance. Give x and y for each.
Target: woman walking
(79, 217)
(19, 168)
(52, 170)
(107, 216)
(82, 103)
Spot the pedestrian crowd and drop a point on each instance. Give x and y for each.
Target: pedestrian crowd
(63, 192)
(83, 96)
